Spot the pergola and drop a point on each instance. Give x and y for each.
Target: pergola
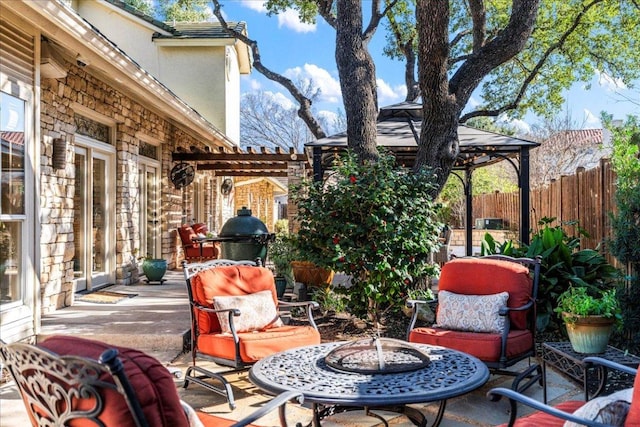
(399, 131)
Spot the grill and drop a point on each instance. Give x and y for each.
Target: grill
(376, 356)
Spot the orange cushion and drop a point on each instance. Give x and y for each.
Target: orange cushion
(538, 419)
(200, 228)
(484, 346)
(229, 280)
(257, 345)
(478, 276)
(633, 417)
(152, 382)
(208, 251)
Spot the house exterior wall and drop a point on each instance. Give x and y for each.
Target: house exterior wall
(259, 198)
(133, 111)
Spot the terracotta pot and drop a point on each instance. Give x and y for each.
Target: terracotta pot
(589, 334)
(310, 274)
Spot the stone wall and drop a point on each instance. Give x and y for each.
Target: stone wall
(82, 93)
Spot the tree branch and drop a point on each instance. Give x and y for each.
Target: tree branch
(407, 49)
(376, 16)
(534, 72)
(324, 10)
(304, 112)
(479, 18)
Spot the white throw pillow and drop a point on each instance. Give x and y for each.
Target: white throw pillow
(611, 409)
(257, 312)
(472, 313)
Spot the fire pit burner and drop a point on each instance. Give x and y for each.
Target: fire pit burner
(376, 356)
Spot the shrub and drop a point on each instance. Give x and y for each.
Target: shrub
(374, 222)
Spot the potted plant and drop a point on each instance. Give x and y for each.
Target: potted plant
(154, 269)
(281, 254)
(590, 315)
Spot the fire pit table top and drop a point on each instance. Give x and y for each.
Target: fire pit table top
(450, 373)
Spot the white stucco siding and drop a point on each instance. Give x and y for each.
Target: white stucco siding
(193, 73)
(232, 95)
(132, 35)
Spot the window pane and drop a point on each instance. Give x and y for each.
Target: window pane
(12, 154)
(10, 267)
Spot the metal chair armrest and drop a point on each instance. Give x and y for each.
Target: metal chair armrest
(277, 402)
(310, 306)
(514, 398)
(599, 361)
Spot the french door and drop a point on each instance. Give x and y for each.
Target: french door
(93, 222)
(150, 226)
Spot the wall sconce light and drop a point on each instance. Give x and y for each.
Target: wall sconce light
(59, 159)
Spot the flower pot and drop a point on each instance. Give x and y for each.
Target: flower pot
(310, 274)
(154, 269)
(281, 286)
(589, 334)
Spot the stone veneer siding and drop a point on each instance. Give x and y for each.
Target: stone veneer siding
(58, 98)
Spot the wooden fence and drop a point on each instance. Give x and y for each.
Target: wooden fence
(586, 196)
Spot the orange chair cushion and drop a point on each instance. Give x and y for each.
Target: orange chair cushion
(633, 416)
(193, 252)
(209, 420)
(187, 235)
(538, 419)
(200, 228)
(478, 276)
(228, 280)
(152, 382)
(484, 346)
(256, 346)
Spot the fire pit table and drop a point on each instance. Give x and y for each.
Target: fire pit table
(445, 373)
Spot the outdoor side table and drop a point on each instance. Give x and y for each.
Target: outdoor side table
(561, 356)
(450, 373)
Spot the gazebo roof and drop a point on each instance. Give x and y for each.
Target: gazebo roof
(399, 128)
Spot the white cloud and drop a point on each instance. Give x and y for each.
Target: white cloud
(473, 102)
(329, 116)
(609, 83)
(290, 19)
(520, 126)
(257, 5)
(321, 78)
(390, 95)
(591, 121)
(280, 98)
(253, 83)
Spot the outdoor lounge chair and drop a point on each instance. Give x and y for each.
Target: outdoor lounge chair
(71, 381)
(620, 408)
(486, 308)
(194, 250)
(235, 320)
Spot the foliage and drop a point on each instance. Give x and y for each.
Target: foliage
(329, 299)
(143, 6)
(374, 222)
(626, 221)
(580, 301)
(184, 10)
(281, 253)
(563, 263)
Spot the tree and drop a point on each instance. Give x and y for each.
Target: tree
(184, 10)
(142, 6)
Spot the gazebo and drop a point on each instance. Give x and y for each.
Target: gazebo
(399, 131)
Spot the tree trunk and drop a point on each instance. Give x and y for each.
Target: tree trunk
(357, 74)
(439, 145)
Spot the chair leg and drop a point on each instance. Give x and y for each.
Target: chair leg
(532, 375)
(206, 374)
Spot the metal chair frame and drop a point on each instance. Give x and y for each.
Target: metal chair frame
(533, 373)
(199, 375)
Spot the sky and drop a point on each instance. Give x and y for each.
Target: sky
(306, 51)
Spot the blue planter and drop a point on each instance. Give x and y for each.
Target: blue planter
(154, 269)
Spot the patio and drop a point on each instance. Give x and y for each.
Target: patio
(156, 321)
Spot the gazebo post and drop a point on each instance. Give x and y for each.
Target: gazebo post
(317, 164)
(525, 190)
(468, 172)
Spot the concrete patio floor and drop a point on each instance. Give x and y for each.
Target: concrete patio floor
(156, 321)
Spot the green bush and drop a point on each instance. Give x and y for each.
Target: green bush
(374, 222)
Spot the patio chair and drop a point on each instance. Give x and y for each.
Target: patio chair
(71, 381)
(619, 408)
(194, 250)
(486, 308)
(442, 255)
(235, 319)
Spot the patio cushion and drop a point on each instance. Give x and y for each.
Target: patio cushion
(257, 312)
(255, 346)
(538, 419)
(485, 347)
(229, 280)
(633, 417)
(187, 234)
(473, 313)
(152, 382)
(611, 409)
(478, 276)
